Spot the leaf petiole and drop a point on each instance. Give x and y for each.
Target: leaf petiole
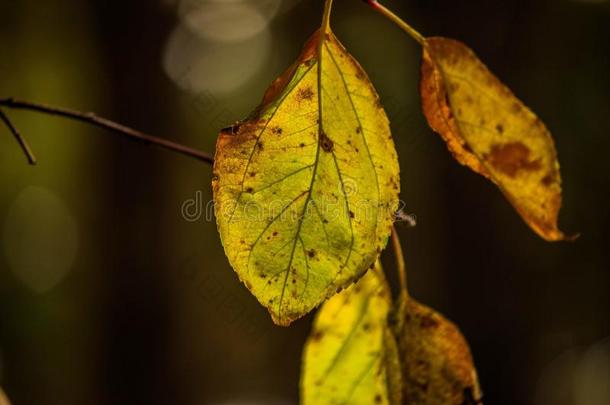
(397, 20)
(400, 261)
(328, 5)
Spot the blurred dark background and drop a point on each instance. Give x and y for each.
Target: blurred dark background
(111, 294)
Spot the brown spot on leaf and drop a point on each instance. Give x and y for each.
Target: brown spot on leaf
(428, 322)
(305, 94)
(500, 128)
(317, 335)
(325, 142)
(548, 179)
(467, 147)
(510, 158)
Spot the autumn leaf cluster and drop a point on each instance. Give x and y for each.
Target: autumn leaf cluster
(306, 192)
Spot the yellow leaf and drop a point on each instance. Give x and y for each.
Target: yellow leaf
(436, 361)
(351, 356)
(491, 131)
(305, 189)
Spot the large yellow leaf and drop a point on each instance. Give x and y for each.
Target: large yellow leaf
(305, 189)
(437, 366)
(488, 129)
(351, 356)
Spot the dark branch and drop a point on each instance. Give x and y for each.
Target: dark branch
(22, 142)
(91, 118)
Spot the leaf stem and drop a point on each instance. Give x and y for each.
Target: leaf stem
(400, 261)
(397, 20)
(328, 5)
(22, 142)
(91, 118)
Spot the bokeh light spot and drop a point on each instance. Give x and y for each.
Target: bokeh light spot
(40, 239)
(227, 21)
(197, 65)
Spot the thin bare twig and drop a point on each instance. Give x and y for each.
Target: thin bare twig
(22, 142)
(91, 118)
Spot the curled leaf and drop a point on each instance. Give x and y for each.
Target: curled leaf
(351, 356)
(306, 188)
(437, 366)
(491, 131)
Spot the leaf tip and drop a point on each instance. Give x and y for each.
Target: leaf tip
(559, 236)
(281, 320)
